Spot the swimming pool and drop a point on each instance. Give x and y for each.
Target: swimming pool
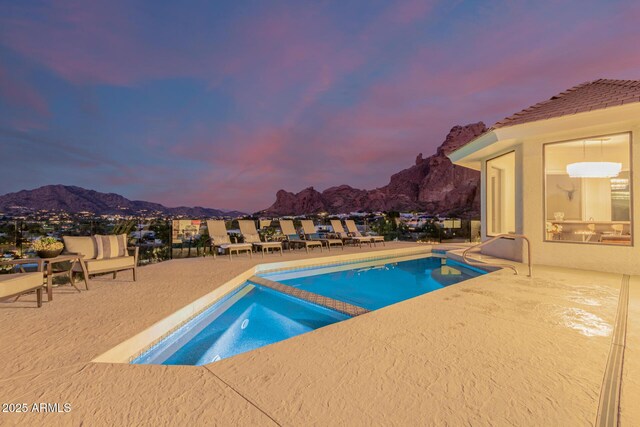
(257, 315)
(252, 317)
(378, 285)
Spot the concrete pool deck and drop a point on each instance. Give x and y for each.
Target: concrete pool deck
(497, 349)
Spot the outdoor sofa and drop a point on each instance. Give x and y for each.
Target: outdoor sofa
(102, 254)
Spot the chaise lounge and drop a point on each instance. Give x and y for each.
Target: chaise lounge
(338, 230)
(250, 235)
(220, 239)
(311, 233)
(353, 230)
(286, 225)
(14, 285)
(102, 254)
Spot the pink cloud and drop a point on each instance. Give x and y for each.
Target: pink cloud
(407, 112)
(80, 43)
(284, 71)
(103, 43)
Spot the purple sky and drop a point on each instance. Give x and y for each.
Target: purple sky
(221, 104)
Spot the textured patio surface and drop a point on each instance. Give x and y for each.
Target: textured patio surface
(495, 350)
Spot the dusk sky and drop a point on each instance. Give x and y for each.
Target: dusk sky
(220, 104)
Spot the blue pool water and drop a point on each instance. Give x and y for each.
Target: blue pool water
(254, 316)
(259, 317)
(378, 286)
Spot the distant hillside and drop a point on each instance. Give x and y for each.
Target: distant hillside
(76, 199)
(433, 185)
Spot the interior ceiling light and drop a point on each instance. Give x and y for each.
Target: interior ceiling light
(586, 169)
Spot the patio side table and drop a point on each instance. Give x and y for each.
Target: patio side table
(50, 273)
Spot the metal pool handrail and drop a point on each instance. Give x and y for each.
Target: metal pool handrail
(493, 239)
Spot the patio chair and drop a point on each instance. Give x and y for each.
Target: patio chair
(286, 225)
(220, 239)
(351, 226)
(250, 235)
(338, 230)
(310, 232)
(14, 285)
(587, 233)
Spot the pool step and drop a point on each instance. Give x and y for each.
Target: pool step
(333, 304)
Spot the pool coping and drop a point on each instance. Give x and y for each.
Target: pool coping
(132, 348)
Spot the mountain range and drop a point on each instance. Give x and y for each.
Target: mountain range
(432, 185)
(73, 199)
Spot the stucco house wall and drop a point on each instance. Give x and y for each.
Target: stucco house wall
(611, 258)
(528, 142)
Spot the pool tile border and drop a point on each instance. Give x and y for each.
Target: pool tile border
(333, 304)
(354, 259)
(226, 301)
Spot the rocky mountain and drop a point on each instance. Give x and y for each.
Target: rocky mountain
(76, 199)
(432, 184)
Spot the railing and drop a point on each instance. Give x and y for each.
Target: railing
(493, 239)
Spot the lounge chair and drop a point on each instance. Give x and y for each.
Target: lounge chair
(286, 225)
(250, 235)
(220, 239)
(351, 227)
(338, 230)
(311, 234)
(21, 283)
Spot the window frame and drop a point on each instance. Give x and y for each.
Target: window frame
(631, 189)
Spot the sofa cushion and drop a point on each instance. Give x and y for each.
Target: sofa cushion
(80, 245)
(13, 284)
(110, 264)
(111, 246)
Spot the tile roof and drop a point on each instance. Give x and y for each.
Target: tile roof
(589, 96)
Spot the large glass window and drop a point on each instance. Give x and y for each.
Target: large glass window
(588, 190)
(501, 194)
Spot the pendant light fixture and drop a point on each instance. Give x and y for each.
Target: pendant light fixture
(586, 169)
